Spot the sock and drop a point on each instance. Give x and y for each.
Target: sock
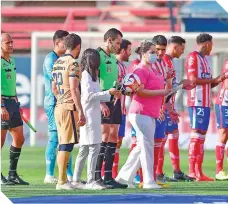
(161, 157)
(103, 169)
(100, 160)
(69, 167)
(109, 158)
(174, 151)
(50, 153)
(200, 157)
(219, 153)
(193, 151)
(157, 147)
(62, 160)
(14, 155)
(115, 166)
(141, 175)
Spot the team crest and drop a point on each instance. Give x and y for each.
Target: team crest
(8, 76)
(200, 120)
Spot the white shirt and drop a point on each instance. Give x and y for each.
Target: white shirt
(91, 97)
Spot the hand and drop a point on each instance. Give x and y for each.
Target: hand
(220, 78)
(115, 92)
(167, 92)
(188, 84)
(170, 73)
(81, 119)
(105, 110)
(174, 116)
(4, 114)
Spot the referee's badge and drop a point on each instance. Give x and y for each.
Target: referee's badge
(8, 76)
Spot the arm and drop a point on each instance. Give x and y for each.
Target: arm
(48, 64)
(150, 93)
(54, 88)
(4, 112)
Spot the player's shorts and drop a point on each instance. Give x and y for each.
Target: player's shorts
(199, 117)
(14, 114)
(51, 117)
(170, 126)
(66, 118)
(160, 129)
(115, 116)
(122, 126)
(222, 116)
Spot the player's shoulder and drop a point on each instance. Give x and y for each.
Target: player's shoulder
(193, 54)
(52, 55)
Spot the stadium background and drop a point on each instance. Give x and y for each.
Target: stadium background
(21, 18)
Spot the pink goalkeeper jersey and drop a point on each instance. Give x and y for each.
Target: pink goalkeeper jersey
(222, 97)
(152, 80)
(198, 66)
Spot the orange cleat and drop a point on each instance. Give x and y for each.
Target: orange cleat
(204, 178)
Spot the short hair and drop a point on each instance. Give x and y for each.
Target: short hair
(203, 37)
(124, 45)
(60, 34)
(72, 41)
(90, 62)
(177, 40)
(159, 40)
(144, 46)
(112, 33)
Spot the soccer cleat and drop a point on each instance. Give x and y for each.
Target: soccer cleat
(94, 186)
(115, 184)
(50, 180)
(65, 186)
(69, 178)
(101, 182)
(151, 186)
(137, 179)
(17, 180)
(163, 185)
(181, 176)
(78, 185)
(163, 178)
(122, 181)
(221, 176)
(4, 181)
(204, 178)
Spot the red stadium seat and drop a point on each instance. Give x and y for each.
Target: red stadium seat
(153, 12)
(148, 28)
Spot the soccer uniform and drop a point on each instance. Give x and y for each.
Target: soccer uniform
(170, 125)
(8, 94)
(199, 97)
(221, 107)
(108, 75)
(121, 74)
(66, 115)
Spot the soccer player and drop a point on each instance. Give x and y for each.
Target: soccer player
(111, 113)
(49, 106)
(122, 56)
(10, 111)
(175, 49)
(69, 114)
(199, 70)
(221, 109)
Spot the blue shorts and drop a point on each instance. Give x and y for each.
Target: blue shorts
(122, 126)
(222, 116)
(51, 118)
(170, 125)
(160, 129)
(199, 117)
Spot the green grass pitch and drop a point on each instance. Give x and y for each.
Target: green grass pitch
(32, 168)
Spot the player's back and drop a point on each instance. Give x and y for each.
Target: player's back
(65, 67)
(197, 65)
(49, 61)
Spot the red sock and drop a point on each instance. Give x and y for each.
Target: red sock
(102, 169)
(219, 153)
(174, 151)
(193, 150)
(159, 170)
(116, 164)
(141, 175)
(157, 147)
(200, 157)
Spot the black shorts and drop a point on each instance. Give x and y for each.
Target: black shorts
(115, 116)
(14, 115)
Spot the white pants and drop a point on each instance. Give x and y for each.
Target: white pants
(143, 154)
(90, 151)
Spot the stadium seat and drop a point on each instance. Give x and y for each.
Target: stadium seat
(153, 12)
(148, 28)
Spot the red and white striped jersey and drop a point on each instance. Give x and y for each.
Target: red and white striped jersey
(198, 66)
(161, 67)
(170, 65)
(122, 71)
(133, 65)
(222, 97)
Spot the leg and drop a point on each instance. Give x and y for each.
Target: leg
(3, 137)
(80, 162)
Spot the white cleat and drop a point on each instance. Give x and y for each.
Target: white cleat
(151, 186)
(221, 176)
(65, 186)
(78, 185)
(94, 186)
(70, 178)
(50, 179)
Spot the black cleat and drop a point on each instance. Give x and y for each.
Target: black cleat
(101, 182)
(181, 176)
(4, 181)
(115, 184)
(17, 180)
(163, 178)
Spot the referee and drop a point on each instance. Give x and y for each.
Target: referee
(10, 111)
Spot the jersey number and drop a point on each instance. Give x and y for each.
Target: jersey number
(200, 111)
(226, 112)
(59, 81)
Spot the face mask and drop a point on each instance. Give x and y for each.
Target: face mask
(152, 58)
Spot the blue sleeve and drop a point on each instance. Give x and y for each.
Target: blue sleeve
(48, 64)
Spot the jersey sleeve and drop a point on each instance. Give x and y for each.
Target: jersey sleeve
(225, 67)
(142, 74)
(48, 64)
(74, 70)
(191, 65)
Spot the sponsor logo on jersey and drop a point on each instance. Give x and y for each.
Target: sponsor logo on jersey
(205, 75)
(191, 61)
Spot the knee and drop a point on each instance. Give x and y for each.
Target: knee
(19, 142)
(66, 147)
